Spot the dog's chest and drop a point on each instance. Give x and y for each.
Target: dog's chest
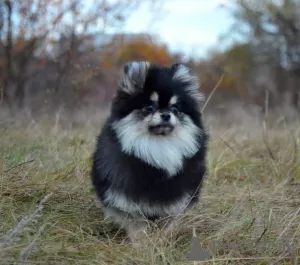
(162, 154)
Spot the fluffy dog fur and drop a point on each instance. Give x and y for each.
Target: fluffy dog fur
(149, 161)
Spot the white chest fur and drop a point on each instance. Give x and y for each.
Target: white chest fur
(163, 152)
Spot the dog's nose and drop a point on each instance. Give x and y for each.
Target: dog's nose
(165, 116)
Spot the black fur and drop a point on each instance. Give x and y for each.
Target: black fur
(115, 170)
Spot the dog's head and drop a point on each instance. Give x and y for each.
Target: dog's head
(159, 99)
(157, 105)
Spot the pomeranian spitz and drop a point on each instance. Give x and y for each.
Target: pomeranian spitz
(149, 160)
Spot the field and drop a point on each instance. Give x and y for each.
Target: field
(249, 211)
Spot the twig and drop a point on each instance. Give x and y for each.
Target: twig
(228, 145)
(194, 232)
(261, 236)
(295, 143)
(289, 225)
(1, 94)
(13, 234)
(25, 252)
(266, 103)
(212, 92)
(67, 174)
(266, 141)
(227, 259)
(251, 224)
(21, 164)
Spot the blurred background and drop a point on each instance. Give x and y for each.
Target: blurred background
(63, 57)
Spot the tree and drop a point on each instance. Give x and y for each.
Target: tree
(235, 63)
(273, 32)
(33, 28)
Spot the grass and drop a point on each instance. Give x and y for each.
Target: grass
(249, 211)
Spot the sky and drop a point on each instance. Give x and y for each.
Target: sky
(191, 27)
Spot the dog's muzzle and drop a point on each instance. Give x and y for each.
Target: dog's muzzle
(164, 127)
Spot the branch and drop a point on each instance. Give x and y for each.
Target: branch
(8, 46)
(21, 164)
(213, 91)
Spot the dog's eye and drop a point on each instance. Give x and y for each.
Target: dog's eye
(174, 109)
(150, 108)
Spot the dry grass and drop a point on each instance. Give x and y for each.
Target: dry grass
(48, 214)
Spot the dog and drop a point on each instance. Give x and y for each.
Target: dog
(149, 160)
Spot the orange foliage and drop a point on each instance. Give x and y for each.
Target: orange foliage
(234, 63)
(137, 48)
(20, 43)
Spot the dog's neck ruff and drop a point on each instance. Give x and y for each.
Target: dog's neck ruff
(162, 152)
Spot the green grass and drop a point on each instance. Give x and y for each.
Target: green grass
(250, 203)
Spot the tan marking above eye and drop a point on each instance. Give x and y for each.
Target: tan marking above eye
(173, 100)
(154, 97)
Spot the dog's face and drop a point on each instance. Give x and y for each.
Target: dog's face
(157, 107)
(160, 99)
(160, 114)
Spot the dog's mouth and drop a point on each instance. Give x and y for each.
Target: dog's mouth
(161, 129)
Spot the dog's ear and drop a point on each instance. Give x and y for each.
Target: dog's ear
(133, 76)
(183, 73)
